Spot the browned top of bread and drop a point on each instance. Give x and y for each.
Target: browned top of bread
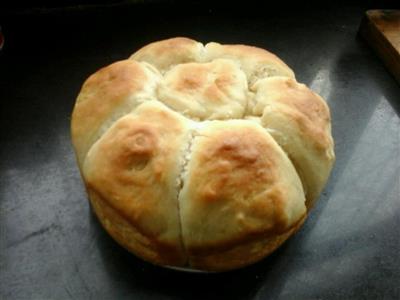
(202, 148)
(239, 185)
(106, 96)
(134, 167)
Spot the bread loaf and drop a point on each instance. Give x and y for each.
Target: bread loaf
(201, 156)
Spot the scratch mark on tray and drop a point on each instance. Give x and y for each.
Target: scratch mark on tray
(84, 284)
(68, 292)
(32, 235)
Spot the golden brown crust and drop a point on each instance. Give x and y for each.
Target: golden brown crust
(201, 156)
(244, 254)
(113, 90)
(306, 108)
(170, 52)
(134, 166)
(215, 90)
(149, 249)
(299, 120)
(239, 184)
(257, 63)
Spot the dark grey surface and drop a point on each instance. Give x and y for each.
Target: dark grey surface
(52, 247)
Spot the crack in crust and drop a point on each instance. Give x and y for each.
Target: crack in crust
(185, 158)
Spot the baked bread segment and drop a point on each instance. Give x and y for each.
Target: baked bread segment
(238, 186)
(201, 91)
(255, 62)
(107, 95)
(132, 171)
(299, 120)
(167, 53)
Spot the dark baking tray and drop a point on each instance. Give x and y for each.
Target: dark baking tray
(51, 245)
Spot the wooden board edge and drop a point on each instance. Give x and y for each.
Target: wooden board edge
(383, 48)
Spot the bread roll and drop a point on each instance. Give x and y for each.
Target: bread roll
(201, 157)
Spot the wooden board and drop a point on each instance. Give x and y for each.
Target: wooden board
(381, 29)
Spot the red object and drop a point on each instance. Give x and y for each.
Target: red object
(1, 39)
